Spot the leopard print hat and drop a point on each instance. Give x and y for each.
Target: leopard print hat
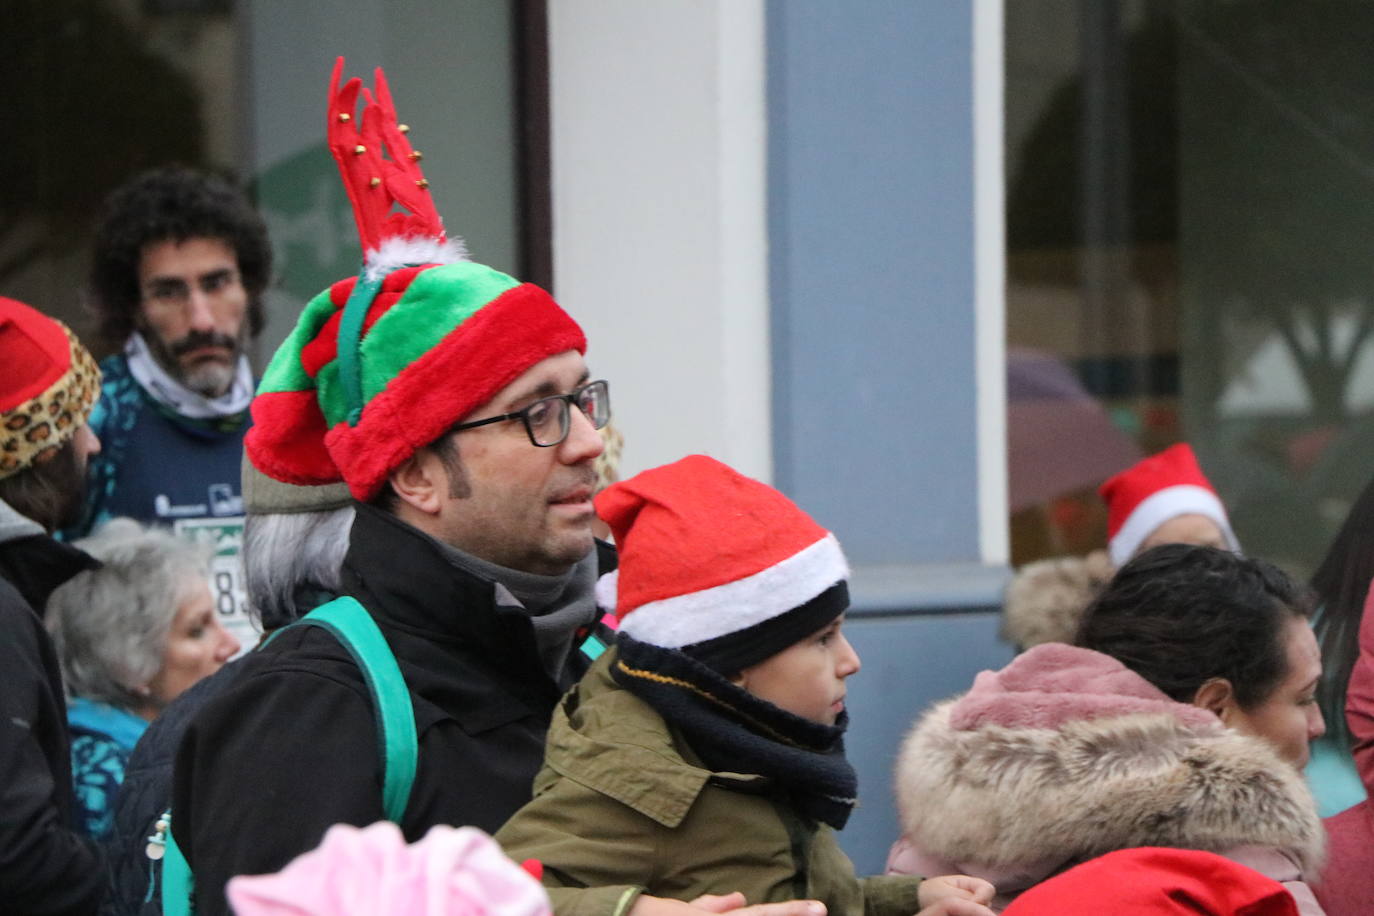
(48, 385)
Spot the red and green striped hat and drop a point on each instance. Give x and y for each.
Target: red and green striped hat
(381, 364)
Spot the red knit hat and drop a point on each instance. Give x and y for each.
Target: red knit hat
(47, 388)
(1152, 881)
(707, 553)
(1148, 494)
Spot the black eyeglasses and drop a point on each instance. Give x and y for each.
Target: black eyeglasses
(547, 420)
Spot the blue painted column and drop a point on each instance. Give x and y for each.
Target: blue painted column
(885, 271)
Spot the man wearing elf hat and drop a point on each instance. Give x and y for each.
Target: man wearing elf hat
(456, 404)
(47, 387)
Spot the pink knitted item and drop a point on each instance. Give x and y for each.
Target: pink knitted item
(1052, 684)
(371, 872)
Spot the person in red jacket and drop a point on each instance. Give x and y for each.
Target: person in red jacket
(1346, 887)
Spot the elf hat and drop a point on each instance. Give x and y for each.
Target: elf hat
(1148, 494)
(718, 565)
(382, 364)
(47, 389)
(262, 495)
(1150, 881)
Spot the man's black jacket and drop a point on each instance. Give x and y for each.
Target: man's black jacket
(291, 748)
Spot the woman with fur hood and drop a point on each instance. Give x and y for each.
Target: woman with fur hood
(1181, 718)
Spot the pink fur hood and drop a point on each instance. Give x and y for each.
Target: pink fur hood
(1052, 684)
(1065, 754)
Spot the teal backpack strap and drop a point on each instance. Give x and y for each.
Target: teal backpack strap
(398, 741)
(176, 877)
(397, 738)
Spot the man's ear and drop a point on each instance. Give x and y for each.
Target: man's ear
(419, 482)
(1216, 695)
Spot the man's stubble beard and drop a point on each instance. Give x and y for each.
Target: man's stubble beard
(209, 378)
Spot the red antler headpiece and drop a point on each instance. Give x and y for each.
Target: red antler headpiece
(380, 170)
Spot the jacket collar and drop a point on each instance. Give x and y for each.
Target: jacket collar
(1013, 795)
(34, 563)
(609, 740)
(448, 618)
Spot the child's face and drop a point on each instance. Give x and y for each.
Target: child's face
(806, 678)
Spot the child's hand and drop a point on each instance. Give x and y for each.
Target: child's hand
(953, 887)
(956, 906)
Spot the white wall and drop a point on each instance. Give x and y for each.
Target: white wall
(660, 244)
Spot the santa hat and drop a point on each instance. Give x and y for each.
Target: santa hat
(47, 389)
(717, 565)
(1148, 494)
(382, 364)
(1152, 881)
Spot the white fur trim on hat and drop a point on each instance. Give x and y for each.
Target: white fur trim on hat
(698, 616)
(1162, 505)
(397, 252)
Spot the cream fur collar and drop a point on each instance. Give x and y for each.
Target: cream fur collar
(1006, 796)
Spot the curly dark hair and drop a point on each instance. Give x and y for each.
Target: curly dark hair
(1179, 615)
(172, 203)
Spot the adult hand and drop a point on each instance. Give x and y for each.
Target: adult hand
(734, 904)
(954, 887)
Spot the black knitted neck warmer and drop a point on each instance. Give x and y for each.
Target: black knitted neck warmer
(734, 731)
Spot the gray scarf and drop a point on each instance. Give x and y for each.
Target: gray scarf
(558, 606)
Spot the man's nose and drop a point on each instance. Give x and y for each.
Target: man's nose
(584, 440)
(199, 313)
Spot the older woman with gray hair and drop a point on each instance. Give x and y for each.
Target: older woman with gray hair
(130, 637)
(294, 541)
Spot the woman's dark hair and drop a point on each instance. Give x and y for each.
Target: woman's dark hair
(177, 204)
(1342, 582)
(1180, 615)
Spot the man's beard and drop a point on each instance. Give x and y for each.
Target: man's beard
(208, 377)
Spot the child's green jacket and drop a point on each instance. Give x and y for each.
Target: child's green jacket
(622, 805)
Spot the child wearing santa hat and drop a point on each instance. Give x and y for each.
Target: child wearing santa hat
(703, 753)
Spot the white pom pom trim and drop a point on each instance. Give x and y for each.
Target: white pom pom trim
(395, 253)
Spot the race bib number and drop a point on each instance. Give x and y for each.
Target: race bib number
(224, 536)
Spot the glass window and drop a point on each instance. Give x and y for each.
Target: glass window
(95, 92)
(99, 90)
(1190, 206)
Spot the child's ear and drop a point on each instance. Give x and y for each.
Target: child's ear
(1216, 695)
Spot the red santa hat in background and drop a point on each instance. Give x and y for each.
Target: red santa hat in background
(717, 565)
(1148, 494)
